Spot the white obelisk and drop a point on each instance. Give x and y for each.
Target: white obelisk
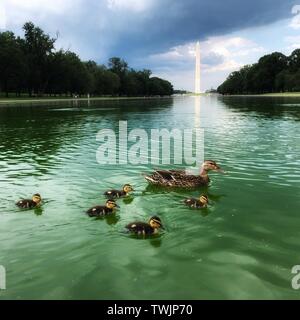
(197, 69)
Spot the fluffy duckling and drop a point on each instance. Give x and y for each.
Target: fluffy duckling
(142, 228)
(119, 193)
(197, 203)
(100, 211)
(30, 203)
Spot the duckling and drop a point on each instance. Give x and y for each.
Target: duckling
(142, 228)
(99, 211)
(197, 203)
(30, 203)
(119, 193)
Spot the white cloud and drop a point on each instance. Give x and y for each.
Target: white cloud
(52, 16)
(20, 11)
(220, 55)
(2, 16)
(295, 22)
(181, 53)
(53, 6)
(293, 42)
(227, 48)
(231, 46)
(228, 65)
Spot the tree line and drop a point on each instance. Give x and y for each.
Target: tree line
(274, 72)
(31, 65)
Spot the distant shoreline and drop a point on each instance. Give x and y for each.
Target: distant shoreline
(47, 99)
(279, 94)
(66, 99)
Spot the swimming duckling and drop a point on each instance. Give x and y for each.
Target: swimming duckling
(30, 203)
(119, 193)
(197, 203)
(142, 228)
(99, 211)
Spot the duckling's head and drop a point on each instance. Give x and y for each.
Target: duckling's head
(36, 198)
(127, 188)
(155, 222)
(111, 204)
(204, 199)
(209, 165)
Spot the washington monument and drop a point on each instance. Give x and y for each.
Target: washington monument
(197, 69)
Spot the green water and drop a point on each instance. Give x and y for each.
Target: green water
(242, 247)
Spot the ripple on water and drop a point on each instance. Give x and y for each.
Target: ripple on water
(242, 246)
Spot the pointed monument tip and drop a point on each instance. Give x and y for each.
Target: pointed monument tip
(197, 69)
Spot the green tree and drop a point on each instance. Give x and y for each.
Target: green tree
(119, 67)
(31, 64)
(12, 65)
(160, 87)
(268, 75)
(294, 61)
(79, 79)
(111, 83)
(38, 47)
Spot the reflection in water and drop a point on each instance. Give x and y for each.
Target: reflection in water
(268, 107)
(156, 242)
(112, 219)
(197, 112)
(38, 211)
(205, 212)
(41, 140)
(128, 200)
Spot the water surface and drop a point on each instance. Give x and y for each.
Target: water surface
(242, 247)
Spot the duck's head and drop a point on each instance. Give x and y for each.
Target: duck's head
(204, 199)
(111, 204)
(210, 165)
(127, 188)
(155, 222)
(36, 198)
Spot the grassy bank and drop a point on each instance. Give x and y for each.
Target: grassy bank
(282, 94)
(58, 99)
(275, 94)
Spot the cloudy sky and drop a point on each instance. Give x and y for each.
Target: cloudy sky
(161, 34)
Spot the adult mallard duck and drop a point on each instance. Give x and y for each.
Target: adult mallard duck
(30, 203)
(202, 202)
(119, 193)
(179, 178)
(142, 228)
(100, 211)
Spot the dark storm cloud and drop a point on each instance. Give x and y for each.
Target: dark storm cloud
(134, 29)
(175, 22)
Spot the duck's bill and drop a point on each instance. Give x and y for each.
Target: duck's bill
(220, 170)
(117, 206)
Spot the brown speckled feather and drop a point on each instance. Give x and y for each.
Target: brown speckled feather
(26, 204)
(140, 228)
(194, 203)
(176, 178)
(99, 211)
